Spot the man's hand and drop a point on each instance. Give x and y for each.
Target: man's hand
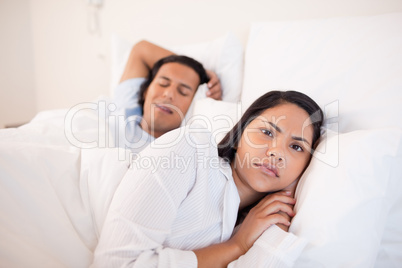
(214, 86)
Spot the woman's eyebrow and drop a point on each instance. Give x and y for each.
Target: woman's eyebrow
(300, 139)
(273, 125)
(280, 131)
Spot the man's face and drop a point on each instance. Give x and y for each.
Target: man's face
(168, 98)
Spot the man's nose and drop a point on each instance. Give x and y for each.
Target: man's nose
(169, 92)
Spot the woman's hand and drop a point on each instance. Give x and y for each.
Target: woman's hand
(275, 208)
(214, 86)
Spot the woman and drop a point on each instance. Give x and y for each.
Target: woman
(178, 207)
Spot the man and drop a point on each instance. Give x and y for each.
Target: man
(166, 84)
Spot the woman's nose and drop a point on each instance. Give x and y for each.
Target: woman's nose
(275, 152)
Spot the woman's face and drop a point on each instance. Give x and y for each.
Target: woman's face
(168, 98)
(274, 150)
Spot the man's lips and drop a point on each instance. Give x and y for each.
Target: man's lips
(268, 169)
(164, 108)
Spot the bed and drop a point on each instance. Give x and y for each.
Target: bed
(58, 172)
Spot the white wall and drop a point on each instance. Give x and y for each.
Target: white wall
(178, 21)
(65, 54)
(72, 65)
(17, 91)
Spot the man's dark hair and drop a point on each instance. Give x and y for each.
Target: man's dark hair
(190, 62)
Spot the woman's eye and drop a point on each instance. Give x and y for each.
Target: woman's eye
(163, 84)
(266, 132)
(297, 147)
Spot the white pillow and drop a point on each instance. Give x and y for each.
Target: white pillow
(223, 55)
(352, 64)
(217, 116)
(345, 197)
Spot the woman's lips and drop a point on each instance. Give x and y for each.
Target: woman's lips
(163, 108)
(268, 169)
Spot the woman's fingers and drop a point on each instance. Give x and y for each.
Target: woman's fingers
(275, 197)
(274, 203)
(252, 228)
(273, 209)
(278, 206)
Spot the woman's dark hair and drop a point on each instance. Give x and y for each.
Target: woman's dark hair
(190, 62)
(227, 146)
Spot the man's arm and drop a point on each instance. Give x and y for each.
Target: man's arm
(142, 57)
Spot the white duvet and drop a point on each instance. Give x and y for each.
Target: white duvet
(53, 195)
